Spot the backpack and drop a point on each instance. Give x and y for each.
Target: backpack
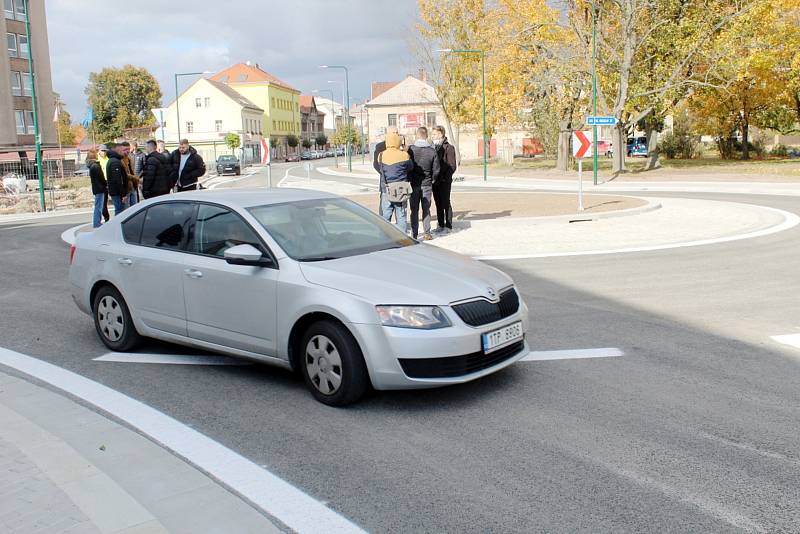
(396, 192)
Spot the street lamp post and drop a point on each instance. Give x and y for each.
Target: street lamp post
(341, 84)
(37, 133)
(177, 99)
(333, 109)
(348, 148)
(483, 100)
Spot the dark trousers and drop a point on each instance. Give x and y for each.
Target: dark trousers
(420, 196)
(444, 210)
(106, 215)
(190, 187)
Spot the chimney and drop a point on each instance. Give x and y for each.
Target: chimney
(422, 76)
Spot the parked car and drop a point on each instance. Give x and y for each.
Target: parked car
(605, 148)
(635, 146)
(306, 280)
(305, 155)
(340, 151)
(228, 164)
(330, 153)
(293, 157)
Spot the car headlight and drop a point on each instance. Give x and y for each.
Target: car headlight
(422, 317)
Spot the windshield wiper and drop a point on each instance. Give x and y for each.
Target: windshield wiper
(320, 258)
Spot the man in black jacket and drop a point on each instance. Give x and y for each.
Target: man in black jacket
(425, 174)
(441, 189)
(116, 177)
(187, 167)
(156, 179)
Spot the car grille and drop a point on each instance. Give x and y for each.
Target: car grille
(481, 312)
(454, 366)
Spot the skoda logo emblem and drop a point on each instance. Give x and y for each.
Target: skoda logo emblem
(491, 292)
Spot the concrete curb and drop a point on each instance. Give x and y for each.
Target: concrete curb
(581, 217)
(4, 219)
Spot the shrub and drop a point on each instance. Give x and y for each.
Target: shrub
(678, 143)
(780, 151)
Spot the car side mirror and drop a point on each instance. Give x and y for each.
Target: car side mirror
(247, 255)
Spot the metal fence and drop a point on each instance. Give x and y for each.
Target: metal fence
(63, 188)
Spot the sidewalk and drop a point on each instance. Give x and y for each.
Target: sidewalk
(65, 468)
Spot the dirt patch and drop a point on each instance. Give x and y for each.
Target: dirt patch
(487, 206)
(72, 198)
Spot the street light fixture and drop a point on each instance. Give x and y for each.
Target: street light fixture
(347, 109)
(483, 97)
(177, 100)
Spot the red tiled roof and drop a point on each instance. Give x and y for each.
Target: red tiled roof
(378, 88)
(243, 73)
(306, 101)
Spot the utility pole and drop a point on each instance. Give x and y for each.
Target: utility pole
(594, 91)
(37, 133)
(349, 146)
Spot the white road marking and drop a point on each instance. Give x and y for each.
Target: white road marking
(266, 491)
(286, 174)
(168, 359)
(790, 221)
(793, 340)
(571, 354)
(247, 174)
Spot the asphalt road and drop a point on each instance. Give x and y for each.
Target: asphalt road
(695, 429)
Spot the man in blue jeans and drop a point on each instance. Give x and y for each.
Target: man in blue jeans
(116, 177)
(394, 166)
(99, 187)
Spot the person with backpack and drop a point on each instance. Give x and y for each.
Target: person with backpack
(395, 168)
(425, 174)
(441, 189)
(156, 176)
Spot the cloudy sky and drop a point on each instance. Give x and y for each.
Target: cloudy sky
(287, 38)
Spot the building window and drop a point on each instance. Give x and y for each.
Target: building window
(20, 8)
(8, 6)
(20, 118)
(11, 40)
(273, 125)
(27, 83)
(273, 101)
(198, 102)
(392, 119)
(16, 83)
(207, 102)
(23, 46)
(29, 122)
(430, 119)
(189, 127)
(217, 126)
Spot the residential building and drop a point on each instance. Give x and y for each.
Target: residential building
(405, 105)
(210, 110)
(333, 113)
(16, 102)
(312, 120)
(279, 102)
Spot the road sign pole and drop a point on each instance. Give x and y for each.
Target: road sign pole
(594, 90)
(269, 175)
(580, 184)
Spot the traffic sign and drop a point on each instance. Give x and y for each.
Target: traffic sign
(601, 121)
(580, 144)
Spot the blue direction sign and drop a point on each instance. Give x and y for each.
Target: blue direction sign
(601, 121)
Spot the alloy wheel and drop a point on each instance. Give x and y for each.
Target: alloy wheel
(324, 365)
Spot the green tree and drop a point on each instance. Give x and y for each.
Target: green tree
(343, 134)
(122, 98)
(306, 143)
(273, 142)
(292, 140)
(65, 130)
(233, 141)
(321, 140)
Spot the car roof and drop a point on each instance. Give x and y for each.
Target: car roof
(246, 198)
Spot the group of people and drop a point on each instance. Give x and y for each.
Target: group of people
(428, 167)
(124, 173)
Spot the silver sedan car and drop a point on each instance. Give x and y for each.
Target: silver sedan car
(306, 280)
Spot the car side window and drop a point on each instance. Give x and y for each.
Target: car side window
(217, 229)
(165, 225)
(132, 228)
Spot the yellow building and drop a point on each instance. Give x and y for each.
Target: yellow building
(279, 100)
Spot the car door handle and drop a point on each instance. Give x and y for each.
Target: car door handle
(193, 273)
(125, 261)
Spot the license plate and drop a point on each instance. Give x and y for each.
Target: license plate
(501, 337)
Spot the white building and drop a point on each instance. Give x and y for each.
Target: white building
(333, 113)
(209, 111)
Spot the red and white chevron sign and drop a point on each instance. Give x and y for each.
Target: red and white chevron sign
(580, 144)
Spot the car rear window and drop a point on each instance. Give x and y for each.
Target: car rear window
(165, 225)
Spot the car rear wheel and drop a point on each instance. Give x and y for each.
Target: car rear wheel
(112, 319)
(332, 364)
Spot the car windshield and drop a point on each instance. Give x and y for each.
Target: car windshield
(227, 159)
(327, 229)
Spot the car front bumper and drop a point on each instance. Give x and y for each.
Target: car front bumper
(458, 348)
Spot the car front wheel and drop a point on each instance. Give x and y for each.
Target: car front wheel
(113, 322)
(332, 364)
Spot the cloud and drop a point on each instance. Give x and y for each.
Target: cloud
(287, 39)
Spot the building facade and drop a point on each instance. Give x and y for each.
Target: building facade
(312, 120)
(279, 101)
(333, 112)
(16, 102)
(209, 111)
(406, 105)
